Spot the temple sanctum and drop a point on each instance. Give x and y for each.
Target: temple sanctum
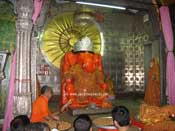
(102, 65)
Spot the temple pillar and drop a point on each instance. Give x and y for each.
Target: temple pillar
(22, 98)
(33, 66)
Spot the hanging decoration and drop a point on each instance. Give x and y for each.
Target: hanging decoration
(37, 9)
(9, 105)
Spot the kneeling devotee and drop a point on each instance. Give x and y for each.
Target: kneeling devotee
(40, 109)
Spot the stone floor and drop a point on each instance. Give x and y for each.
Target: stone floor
(131, 104)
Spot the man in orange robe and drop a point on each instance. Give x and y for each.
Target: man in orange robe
(40, 109)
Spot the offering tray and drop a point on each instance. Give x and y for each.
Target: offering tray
(104, 123)
(60, 125)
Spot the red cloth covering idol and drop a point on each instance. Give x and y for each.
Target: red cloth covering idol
(82, 77)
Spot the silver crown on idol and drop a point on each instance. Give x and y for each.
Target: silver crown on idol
(85, 44)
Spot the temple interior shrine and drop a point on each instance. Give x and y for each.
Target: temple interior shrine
(87, 58)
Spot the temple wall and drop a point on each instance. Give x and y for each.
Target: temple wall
(119, 31)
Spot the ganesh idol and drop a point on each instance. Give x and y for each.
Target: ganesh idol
(82, 77)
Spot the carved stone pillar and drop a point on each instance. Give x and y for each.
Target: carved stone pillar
(33, 65)
(22, 98)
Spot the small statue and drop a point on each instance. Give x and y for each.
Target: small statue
(152, 92)
(82, 77)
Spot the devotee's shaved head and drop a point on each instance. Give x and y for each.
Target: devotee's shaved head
(46, 89)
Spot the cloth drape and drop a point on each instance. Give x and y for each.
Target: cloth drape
(37, 9)
(11, 89)
(170, 65)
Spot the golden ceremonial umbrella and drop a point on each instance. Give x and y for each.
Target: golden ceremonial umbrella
(62, 33)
